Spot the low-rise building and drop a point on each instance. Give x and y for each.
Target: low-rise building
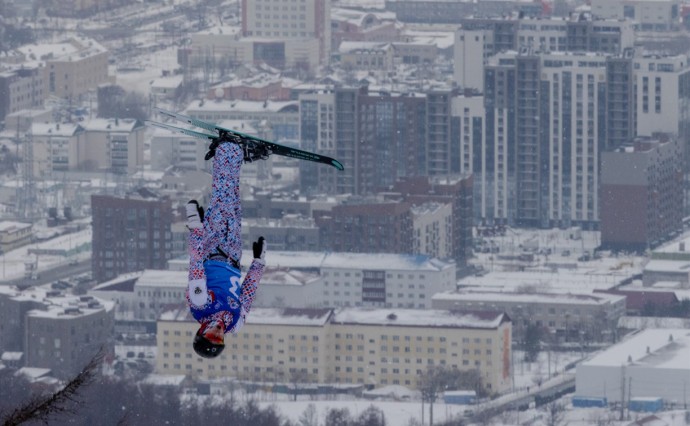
(360, 55)
(316, 279)
(113, 144)
(54, 331)
(70, 68)
(570, 317)
(14, 234)
(357, 25)
(353, 345)
(653, 363)
(20, 89)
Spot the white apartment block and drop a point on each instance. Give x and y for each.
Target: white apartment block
(54, 148)
(183, 151)
(98, 144)
(351, 345)
(432, 228)
(224, 43)
(574, 80)
(282, 117)
(20, 89)
(662, 96)
(70, 68)
(468, 113)
(113, 144)
(289, 20)
(649, 15)
(470, 54)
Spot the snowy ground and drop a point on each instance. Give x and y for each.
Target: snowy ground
(402, 413)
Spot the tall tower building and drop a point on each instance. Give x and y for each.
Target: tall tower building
(546, 169)
(379, 136)
(130, 233)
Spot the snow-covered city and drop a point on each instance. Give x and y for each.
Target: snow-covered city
(345, 212)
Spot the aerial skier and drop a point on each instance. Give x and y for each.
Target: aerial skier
(216, 298)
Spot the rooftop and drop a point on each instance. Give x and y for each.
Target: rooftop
(658, 348)
(420, 318)
(472, 295)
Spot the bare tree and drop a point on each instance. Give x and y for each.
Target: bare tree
(309, 417)
(64, 401)
(555, 412)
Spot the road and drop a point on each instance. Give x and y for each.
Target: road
(549, 391)
(49, 275)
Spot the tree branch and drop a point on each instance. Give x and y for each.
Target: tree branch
(42, 409)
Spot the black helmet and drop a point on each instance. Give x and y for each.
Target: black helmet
(204, 348)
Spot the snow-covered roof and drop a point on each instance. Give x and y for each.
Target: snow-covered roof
(111, 124)
(429, 36)
(55, 129)
(473, 295)
(419, 318)
(73, 49)
(658, 348)
(11, 226)
(171, 82)
(342, 260)
(162, 278)
(348, 46)
(358, 17)
(71, 307)
(671, 266)
(385, 262)
(316, 317)
(119, 283)
(32, 373)
(230, 106)
(11, 356)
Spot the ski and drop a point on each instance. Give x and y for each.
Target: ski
(182, 130)
(221, 132)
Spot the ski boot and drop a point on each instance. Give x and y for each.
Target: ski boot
(254, 152)
(223, 138)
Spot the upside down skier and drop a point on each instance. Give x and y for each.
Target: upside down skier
(216, 298)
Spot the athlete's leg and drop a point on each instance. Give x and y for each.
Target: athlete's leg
(223, 218)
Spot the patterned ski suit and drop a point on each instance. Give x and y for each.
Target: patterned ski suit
(222, 228)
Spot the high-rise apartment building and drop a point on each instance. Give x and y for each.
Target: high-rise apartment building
(381, 136)
(130, 233)
(477, 39)
(545, 120)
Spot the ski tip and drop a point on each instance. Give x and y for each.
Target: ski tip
(337, 164)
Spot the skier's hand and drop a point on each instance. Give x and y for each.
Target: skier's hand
(259, 248)
(195, 214)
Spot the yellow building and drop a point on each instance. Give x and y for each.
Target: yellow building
(350, 345)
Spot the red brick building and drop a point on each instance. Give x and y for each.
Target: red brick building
(641, 194)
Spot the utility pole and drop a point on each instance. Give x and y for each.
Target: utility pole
(621, 417)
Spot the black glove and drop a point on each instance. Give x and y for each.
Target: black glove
(259, 248)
